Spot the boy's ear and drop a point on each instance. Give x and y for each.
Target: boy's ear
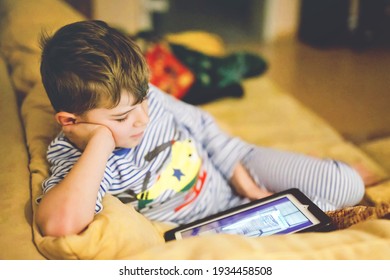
(65, 118)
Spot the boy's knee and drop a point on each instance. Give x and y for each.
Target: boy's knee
(360, 188)
(349, 184)
(343, 187)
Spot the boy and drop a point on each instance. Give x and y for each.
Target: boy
(169, 159)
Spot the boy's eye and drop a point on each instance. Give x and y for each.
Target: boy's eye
(121, 120)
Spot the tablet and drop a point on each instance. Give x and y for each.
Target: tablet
(286, 212)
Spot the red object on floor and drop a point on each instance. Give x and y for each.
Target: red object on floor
(167, 72)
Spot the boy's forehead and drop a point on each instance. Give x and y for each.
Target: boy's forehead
(127, 98)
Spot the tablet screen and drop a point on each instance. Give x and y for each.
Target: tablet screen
(280, 216)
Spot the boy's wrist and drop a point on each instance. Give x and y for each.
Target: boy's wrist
(82, 134)
(104, 139)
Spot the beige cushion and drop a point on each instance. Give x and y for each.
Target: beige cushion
(379, 193)
(198, 40)
(15, 204)
(366, 240)
(379, 150)
(21, 25)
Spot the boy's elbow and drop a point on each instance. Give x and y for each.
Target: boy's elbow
(63, 225)
(54, 229)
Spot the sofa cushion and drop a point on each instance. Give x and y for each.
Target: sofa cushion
(379, 150)
(116, 233)
(21, 24)
(379, 193)
(363, 241)
(15, 203)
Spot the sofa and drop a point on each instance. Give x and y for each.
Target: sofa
(266, 115)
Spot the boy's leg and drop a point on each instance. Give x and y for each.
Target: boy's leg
(330, 184)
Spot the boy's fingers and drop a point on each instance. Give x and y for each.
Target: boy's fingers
(260, 194)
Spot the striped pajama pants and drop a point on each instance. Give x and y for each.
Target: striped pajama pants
(328, 183)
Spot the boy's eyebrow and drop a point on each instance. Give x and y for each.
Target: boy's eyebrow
(121, 114)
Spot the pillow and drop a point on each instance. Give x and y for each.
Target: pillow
(117, 232)
(204, 42)
(379, 150)
(22, 22)
(366, 240)
(15, 205)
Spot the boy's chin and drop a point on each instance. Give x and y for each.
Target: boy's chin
(127, 145)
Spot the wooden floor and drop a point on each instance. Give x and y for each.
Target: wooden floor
(348, 88)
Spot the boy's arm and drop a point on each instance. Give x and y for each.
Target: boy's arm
(69, 207)
(245, 185)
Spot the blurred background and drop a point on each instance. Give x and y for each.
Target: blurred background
(332, 55)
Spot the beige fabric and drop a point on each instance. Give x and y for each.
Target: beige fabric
(379, 193)
(368, 240)
(379, 150)
(200, 41)
(21, 25)
(15, 204)
(117, 233)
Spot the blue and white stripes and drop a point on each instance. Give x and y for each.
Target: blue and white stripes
(329, 183)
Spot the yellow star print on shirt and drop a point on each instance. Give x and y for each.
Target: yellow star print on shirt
(179, 175)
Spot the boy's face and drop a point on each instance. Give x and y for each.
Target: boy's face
(126, 121)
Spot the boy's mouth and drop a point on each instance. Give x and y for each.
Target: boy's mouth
(138, 135)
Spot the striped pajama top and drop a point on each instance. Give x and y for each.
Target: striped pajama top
(179, 172)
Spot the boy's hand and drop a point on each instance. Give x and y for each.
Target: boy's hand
(245, 185)
(81, 133)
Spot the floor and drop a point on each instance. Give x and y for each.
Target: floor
(349, 88)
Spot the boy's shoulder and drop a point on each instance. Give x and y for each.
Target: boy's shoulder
(155, 92)
(60, 142)
(160, 100)
(60, 138)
